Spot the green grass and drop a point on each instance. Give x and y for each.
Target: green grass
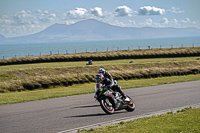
(82, 63)
(185, 121)
(24, 96)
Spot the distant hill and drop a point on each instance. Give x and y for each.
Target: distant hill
(91, 29)
(2, 38)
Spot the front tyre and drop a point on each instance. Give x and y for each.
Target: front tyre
(106, 106)
(130, 105)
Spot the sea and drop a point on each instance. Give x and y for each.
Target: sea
(24, 50)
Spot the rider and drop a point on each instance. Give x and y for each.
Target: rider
(89, 63)
(99, 79)
(108, 80)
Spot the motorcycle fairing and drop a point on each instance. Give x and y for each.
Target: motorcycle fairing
(108, 94)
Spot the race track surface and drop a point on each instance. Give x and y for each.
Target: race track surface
(61, 114)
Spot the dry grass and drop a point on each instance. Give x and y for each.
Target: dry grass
(16, 78)
(122, 54)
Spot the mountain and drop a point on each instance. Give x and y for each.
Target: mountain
(91, 29)
(2, 37)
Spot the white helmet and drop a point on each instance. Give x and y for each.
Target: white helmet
(101, 70)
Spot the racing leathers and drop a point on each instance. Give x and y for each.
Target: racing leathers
(108, 81)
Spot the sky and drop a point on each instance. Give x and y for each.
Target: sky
(25, 17)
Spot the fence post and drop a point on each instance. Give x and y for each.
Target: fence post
(96, 49)
(171, 46)
(107, 48)
(66, 52)
(149, 47)
(50, 52)
(75, 51)
(40, 53)
(3, 57)
(128, 48)
(58, 52)
(138, 47)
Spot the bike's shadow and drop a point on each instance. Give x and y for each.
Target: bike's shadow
(90, 106)
(92, 115)
(98, 114)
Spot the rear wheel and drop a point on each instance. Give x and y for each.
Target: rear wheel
(130, 105)
(106, 106)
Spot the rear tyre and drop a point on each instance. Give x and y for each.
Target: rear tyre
(106, 106)
(130, 105)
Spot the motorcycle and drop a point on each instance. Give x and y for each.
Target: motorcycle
(111, 101)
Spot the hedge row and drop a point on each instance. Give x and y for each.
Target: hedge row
(122, 77)
(111, 55)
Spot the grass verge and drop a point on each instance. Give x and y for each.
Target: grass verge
(186, 120)
(16, 97)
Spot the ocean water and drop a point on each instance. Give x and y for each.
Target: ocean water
(22, 50)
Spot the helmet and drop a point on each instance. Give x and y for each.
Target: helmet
(99, 77)
(101, 70)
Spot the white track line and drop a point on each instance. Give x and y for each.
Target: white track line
(128, 118)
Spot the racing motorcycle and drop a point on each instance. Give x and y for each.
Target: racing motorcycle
(111, 101)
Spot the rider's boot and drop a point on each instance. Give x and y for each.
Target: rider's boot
(126, 99)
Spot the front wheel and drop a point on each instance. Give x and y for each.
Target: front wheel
(106, 106)
(130, 105)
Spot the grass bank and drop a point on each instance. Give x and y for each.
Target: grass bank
(183, 121)
(43, 75)
(77, 89)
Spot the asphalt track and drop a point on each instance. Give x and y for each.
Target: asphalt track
(62, 114)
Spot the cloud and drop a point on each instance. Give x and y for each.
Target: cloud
(69, 22)
(148, 21)
(148, 10)
(46, 12)
(39, 11)
(118, 23)
(97, 11)
(175, 10)
(26, 22)
(23, 17)
(123, 11)
(169, 23)
(186, 21)
(178, 23)
(175, 21)
(76, 14)
(132, 22)
(47, 18)
(164, 21)
(4, 20)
